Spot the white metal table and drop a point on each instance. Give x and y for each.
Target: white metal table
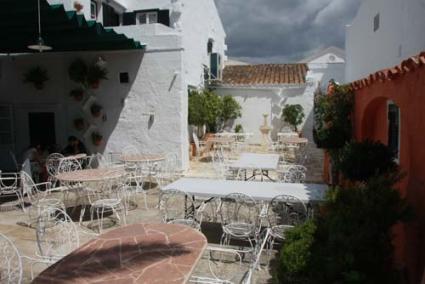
(260, 191)
(252, 161)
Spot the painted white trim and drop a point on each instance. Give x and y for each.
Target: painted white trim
(262, 87)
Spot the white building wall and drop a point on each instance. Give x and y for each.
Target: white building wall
(399, 36)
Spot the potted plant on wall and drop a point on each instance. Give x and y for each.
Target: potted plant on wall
(79, 123)
(95, 74)
(78, 6)
(293, 115)
(37, 76)
(77, 71)
(96, 110)
(77, 94)
(97, 138)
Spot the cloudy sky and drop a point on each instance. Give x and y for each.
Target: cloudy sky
(284, 30)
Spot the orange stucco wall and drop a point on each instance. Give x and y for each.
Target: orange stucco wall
(370, 121)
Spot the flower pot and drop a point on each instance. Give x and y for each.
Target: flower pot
(97, 142)
(97, 114)
(95, 85)
(79, 124)
(39, 86)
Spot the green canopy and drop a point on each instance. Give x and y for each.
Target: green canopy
(62, 30)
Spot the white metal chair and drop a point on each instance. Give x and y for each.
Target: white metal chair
(38, 195)
(10, 262)
(201, 146)
(52, 166)
(57, 236)
(239, 218)
(292, 174)
(283, 213)
(107, 197)
(177, 207)
(130, 150)
(9, 186)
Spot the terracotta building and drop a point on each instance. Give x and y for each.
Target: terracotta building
(390, 107)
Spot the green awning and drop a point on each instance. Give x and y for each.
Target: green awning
(62, 30)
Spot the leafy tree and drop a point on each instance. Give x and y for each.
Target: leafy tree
(293, 114)
(204, 109)
(231, 109)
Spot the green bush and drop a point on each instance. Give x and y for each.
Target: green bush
(332, 118)
(238, 128)
(293, 114)
(359, 161)
(351, 240)
(296, 253)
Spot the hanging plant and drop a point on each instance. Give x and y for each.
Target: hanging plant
(97, 138)
(77, 71)
(95, 74)
(79, 123)
(96, 110)
(77, 94)
(37, 76)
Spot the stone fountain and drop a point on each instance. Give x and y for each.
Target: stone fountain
(265, 131)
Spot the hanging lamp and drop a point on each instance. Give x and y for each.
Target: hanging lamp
(39, 45)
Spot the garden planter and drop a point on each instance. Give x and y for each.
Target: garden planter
(97, 139)
(95, 85)
(96, 110)
(79, 124)
(97, 142)
(77, 94)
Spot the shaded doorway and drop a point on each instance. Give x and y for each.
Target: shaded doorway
(42, 128)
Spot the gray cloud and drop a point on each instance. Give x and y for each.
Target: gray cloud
(284, 30)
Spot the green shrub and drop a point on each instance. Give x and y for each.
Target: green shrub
(36, 75)
(204, 109)
(353, 241)
(296, 253)
(293, 114)
(359, 161)
(238, 128)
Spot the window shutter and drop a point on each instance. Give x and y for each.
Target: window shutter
(129, 19)
(215, 66)
(164, 17)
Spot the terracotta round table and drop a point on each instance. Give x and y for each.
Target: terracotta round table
(138, 253)
(142, 158)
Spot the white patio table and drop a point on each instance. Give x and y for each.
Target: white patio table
(252, 161)
(260, 191)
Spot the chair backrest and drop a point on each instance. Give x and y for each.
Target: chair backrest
(52, 163)
(294, 174)
(196, 141)
(175, 204)
(8, 183)
(10, 262)
(170, 166)
(69, 165)
(56, 234)
(130, 150)
(238, 208)
(286, 210)
(26, 167)
(28, 186)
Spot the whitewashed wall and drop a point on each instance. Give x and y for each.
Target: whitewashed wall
(400, 35)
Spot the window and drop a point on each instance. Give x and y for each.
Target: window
(93, 10)
(147, 18)
(376, 22)
(110, 17)
(394, 128)
(210, 46)
(124, 78)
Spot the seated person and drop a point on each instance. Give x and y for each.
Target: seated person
(74, 147)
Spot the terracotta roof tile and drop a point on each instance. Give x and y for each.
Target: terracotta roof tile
(265, 74)
(406, 66)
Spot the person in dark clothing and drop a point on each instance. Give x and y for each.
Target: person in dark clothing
(74, 147)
